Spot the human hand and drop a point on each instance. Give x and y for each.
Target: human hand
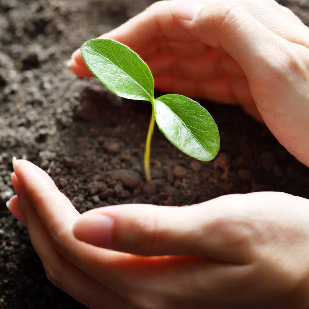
(254, 53)
(236, 251)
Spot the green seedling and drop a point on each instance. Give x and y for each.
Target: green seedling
(183, 121)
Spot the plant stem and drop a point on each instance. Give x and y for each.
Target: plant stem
(148, 147)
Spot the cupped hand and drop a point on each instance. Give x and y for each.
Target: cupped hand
(254, 53)
(236, 251)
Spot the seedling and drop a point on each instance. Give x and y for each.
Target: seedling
(183, 121)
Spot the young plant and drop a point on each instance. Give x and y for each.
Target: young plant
(183, 121)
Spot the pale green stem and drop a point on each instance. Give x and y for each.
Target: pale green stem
(148, 147)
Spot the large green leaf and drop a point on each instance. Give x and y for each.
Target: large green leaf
(188, 126)
(119, 68)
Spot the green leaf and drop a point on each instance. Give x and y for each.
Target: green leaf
(119, 68)
(188, 126)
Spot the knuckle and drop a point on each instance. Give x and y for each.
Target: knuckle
(146, 241)
(51, 272)
(231, 17)
(153, 236)
(59, 236)
(233, 232)
(222, 18)
(288, 63)
(294, 61)
(235, 228)
(228, 11)
(57, 229)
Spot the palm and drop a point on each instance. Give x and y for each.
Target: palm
(198, 71)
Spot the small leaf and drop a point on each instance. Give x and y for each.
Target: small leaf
(188, 126)
(119, 68)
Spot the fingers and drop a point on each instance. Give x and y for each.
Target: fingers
(42, 204)
(176, 49)
(14, 208)
(218, 89)
(232, 229)
(61, 272)
(78, 66)
(142, 33)
(49, 216)
(216, 229)
(202, 67)
(154, 26)
(41, 190)
(229, 26)
(80, 70)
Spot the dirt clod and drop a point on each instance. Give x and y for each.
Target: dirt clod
(112, 147)
(96, 187)
(69, 162)
(106, 194)
(179, 171)
(129, 178)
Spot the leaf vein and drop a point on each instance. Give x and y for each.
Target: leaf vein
(124, 73)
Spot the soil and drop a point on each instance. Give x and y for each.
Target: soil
(91, 142)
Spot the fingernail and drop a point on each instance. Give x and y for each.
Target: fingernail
(94, 229)
(14, 207)
(14, 163)
(8, 203)
(186, 10)
(69, 63)
(76, 52)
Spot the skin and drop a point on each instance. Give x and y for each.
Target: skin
(236, 251)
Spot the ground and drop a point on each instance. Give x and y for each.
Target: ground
(91, 142)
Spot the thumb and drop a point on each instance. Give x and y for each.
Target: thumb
(201, 230)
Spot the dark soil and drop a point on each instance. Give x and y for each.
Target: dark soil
(91, 142)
